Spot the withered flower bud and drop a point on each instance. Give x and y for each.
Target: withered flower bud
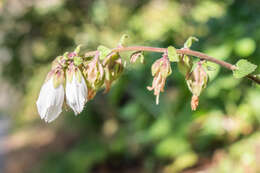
(113, 67)
(161, 69)
(194, 102)
(196, 82)
(94, 73)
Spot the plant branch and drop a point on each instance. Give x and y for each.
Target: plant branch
(184, 51)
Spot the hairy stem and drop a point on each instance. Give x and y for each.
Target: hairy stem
(184, 51)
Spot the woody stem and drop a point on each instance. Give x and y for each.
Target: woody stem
(184, 51)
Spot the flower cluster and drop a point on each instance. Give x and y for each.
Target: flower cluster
(161, 69)
(74, 80)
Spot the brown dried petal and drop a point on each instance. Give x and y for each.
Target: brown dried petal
(194, 102)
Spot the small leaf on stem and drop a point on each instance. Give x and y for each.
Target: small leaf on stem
(77, 50)
(104, 52)
(172, 54)
(122, 41)
(189, 41)
(244, 68)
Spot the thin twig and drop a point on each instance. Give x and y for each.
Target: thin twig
(179, 51)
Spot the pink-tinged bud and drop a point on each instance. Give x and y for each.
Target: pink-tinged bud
(72, 54)
(94, 73)
(51, 97)
(156, 66)
(59, 62)
(59, 77)
(196, 82)
(76, 89)
(161, 69)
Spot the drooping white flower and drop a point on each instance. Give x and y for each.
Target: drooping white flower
(76, 90)
(50, 100)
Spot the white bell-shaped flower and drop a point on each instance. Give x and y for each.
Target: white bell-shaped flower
(76, 91)
(50, 100)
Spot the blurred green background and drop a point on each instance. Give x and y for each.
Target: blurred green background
(124, 131)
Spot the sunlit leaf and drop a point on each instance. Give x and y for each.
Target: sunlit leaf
(189, 42)
(244, 68)
(172, 54)
(104, 52)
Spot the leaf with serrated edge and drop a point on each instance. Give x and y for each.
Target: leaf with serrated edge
(244, 68)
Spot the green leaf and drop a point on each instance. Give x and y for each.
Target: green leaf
(77, 50)
(189, 42)
(77, 60)
(122, 40)
(172, 54)
(104, 52)
(66, 55)
(244, 68)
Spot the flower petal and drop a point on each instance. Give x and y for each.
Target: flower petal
(50, 101)
(76, 94)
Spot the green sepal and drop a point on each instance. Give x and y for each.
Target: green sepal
(78, 75)
(107, 74)
(189, 41)
(55, 82)
(184, 65)
(77, 50)
(77, 60)
(115, 56)
(123, 40)
(69, 75)
(103, 52)
(141, 55)
(244, 68)
(66, 55)
(58, 79)
(172, 54)
(194, 64)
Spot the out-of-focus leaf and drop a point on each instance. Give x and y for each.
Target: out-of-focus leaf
(245, 47)
(172, 147)
(104, 52)
(160, 128)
